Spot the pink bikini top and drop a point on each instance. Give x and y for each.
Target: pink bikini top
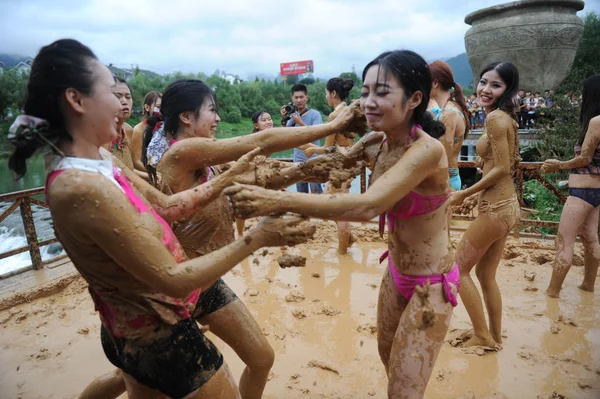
(414, 204)
(169, 239)
(110, 315)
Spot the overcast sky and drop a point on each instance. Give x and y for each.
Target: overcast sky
(241, 36)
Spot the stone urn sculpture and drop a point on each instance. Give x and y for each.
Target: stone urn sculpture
(539, 36)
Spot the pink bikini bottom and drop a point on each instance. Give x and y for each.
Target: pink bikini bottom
(406, 283)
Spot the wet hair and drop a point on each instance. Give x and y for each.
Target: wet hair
(59, 66)
(441, 72)
(256, 116)
(183, 95)
(510, 75)
(412, 73)
(341, 86)
(299, 87)
(590, 104)
(149, 99)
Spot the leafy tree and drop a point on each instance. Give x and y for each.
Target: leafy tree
(252, 98)
(561, 127)
(13, 85)
(352, 75)
(308, 81)
(291, 79)
(587, 60)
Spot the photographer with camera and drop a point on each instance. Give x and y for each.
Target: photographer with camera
(296, 113)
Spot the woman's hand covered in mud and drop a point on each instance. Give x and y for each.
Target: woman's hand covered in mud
(250, 201)
(283, 231)
(550, 165)
(351, 119)
(478, 162)
(457, 197)
(243, 164)
(310, 151)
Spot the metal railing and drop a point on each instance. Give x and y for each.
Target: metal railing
(24, 200)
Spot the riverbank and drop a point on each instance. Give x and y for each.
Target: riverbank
(321, 322)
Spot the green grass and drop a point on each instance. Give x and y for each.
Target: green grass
(546, 204)
(228, 130)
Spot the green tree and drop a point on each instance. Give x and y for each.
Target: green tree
(308, 81)
(587, 60)
(352, 75)
(561, 127)
(13, 84)
(252, 98)
(291, 79)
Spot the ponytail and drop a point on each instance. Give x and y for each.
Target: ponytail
(430, 126)
(58, 66)
(459, 98)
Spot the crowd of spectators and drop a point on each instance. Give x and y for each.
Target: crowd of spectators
(531, 112)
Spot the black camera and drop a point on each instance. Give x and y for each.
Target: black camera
(289, 109)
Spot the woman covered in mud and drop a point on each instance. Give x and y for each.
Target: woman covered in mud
(451, 109)
(482, 244)
(409, 189)
(580, 213)
(152, 102)
(139, 278)
(120, 147)
(184, 152)
(336, 93)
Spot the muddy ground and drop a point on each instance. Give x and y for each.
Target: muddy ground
(320, 319)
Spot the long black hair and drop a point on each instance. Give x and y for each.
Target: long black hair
(510, 75)
(183, 95)
(59, 66)
(590, 104)
(413, 74)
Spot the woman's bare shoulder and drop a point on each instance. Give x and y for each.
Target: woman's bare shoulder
(77, 190)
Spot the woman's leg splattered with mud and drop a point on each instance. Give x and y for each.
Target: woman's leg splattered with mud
(415, 349)
(390, 306)
(486, 274)
(235, 325)
(220, 386)
(108, 386)
(591, 249)
(345, 238)
(573, 215)
(477, 240)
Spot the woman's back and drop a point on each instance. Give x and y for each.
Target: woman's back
(340, 139)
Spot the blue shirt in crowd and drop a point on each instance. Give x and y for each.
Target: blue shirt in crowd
(310, 118)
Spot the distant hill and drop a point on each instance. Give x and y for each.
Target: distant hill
(11, 60)
(127, 73)
(463, 74)
(459, 64)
